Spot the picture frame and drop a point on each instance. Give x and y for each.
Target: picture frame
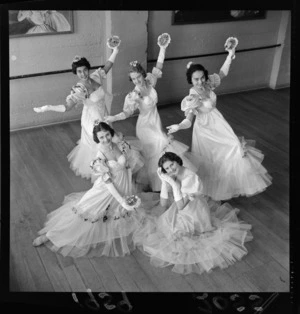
(25, 23)
(182, 17)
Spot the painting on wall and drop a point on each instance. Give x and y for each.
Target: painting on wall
(180, 17)
(47, 22)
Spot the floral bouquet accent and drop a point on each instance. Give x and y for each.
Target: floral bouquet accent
(113, 42)
(163, 40)
(133, 201)
(230, 44)
(99, 167)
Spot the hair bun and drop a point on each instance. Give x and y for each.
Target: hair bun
(189, 64)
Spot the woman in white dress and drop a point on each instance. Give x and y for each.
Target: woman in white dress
(192, 235)
(148, 128)
(236, 165)
(88, 91)
(99, 221)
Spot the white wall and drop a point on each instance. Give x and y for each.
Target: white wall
(138, 31)
(52, 53)
(250, 70)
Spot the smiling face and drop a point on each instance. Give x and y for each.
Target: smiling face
(137, 78)
(82, 73)
(171, 167)
(104, 138)
(198, 79)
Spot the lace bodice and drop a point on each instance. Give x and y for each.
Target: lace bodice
(148, 102)
(201, 102)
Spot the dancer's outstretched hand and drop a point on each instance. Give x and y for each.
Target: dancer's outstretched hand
(173, 128)
(41, 109)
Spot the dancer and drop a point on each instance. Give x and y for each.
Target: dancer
(236, 165)
(192, 235)
(89, 92)
(148, 128)
(101, 220)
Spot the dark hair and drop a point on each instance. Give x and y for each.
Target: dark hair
(82, 62)
(138, 69)
(193, 68)
(102, 126)
(168, 156)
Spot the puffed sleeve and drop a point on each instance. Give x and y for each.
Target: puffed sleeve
(100, 169)
(78, 94)
(130, 104)
(214, 80)
(154, 76)
(191, 184)
(99, 75)
(190, 103)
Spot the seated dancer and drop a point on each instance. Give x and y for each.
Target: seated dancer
(100, 221)
(187, 231)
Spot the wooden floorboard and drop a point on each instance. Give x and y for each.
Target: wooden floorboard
(40, 177)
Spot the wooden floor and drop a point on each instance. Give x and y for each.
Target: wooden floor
(40, 177)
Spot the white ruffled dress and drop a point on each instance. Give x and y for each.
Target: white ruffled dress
(92, 223)
(236, 168)
(149, 131)
(94, 108)
(197, 238)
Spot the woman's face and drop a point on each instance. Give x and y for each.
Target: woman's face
(104, 137)
(198, 79)
(82, 73)
(172, 167)
(137, 78)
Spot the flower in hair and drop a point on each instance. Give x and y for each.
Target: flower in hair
(189, 64)
(96, 122)
(133, 63)
(77, 58)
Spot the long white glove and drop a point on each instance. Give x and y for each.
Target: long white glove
(184, 124)
(225, 67)
(164, 187)
(117, 117)
(176, 188)
(111, 188)
(58, 108)
(161, 55)
(113, 56)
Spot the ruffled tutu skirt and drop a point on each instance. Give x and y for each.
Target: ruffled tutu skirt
(188, 250)
(236, 165)
(80, 158)
(73, 235)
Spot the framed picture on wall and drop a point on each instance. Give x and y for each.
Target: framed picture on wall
(46, 22)
(180, 17)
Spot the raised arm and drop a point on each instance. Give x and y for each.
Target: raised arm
(113, 43)
(109, 63)
(163, 42)
(230, 45)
